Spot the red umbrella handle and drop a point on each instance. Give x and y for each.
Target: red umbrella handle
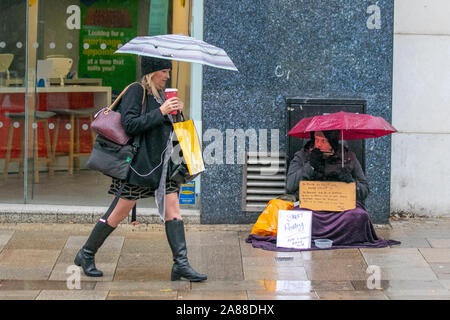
(342, 147)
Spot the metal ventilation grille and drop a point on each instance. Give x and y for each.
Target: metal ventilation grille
(264, 178)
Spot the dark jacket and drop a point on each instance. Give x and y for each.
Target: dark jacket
(300, 169)
(154, 129)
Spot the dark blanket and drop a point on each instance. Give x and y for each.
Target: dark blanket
(347, 229)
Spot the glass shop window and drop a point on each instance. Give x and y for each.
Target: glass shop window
(57, 67)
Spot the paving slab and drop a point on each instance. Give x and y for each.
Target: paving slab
(295, 261)
(228, 285)
(445, 283)
(72, 295)
(435, 255)
(442, 270)
(412, 242)
(19, 295)
(5, 236)
(336, 269)
(351, 295)
(142, 295)
(163, 286)
(21, 285)
(406, 257)
(27, 264)
(407, 273)
(258, 295)
(65, 271)
(36, 262)
(331, 254)
(143, 273)
(213, 295)
(271, 273)
(439, 242)
(398, 285)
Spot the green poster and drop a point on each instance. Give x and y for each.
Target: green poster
(158, 17)
(105, 25)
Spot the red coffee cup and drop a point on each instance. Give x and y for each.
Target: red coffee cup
(170, 93)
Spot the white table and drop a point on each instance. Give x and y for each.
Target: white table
(102, 95)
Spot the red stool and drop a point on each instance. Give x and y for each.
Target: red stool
(41, 117)
(74, 138)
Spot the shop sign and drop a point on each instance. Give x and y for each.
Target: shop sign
(105, 26)
(187, 193)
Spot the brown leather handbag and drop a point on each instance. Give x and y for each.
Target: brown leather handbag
(107, 122)
(108, 155)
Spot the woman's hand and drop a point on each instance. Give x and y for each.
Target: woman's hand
(171, 105)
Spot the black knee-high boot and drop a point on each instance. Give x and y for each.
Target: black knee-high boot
(181, 268)
(85, 256)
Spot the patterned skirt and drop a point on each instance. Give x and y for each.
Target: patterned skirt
(133, 192)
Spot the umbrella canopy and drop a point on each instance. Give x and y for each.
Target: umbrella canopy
(352, 125)
(180, 48)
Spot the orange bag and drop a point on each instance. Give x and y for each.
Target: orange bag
(267, 223)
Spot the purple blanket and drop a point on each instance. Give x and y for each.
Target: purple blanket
(348, 229)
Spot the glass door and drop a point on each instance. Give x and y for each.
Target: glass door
(64, 70)
(14, 118)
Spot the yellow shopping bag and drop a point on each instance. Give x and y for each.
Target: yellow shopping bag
(267, 223)
(190, 145)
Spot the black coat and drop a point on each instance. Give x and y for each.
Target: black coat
(154, 130)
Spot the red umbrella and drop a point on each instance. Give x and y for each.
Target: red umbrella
(352, 126)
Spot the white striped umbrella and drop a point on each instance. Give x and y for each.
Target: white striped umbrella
(180, 48)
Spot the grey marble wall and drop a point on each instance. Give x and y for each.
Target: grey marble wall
(284, 48)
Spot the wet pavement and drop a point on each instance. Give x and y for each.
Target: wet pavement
(36, 262)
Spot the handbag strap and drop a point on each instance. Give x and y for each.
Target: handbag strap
(136, 145)
(111, 107)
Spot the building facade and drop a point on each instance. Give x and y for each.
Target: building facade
(323, 50)
(57, 65)
(421, 99)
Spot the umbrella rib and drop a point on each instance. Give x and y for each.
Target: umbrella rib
(219, 58)
(227, 66)
(208, 61)
(195, 48)
(365, 133)
(173, 40)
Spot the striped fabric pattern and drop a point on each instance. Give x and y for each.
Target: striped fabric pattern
(179, 47)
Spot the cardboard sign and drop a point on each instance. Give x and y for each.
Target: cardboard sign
(327, 195)
(294, 229)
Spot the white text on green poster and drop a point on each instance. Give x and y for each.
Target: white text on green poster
(107, 24)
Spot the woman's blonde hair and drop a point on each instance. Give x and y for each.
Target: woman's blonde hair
(148, 84)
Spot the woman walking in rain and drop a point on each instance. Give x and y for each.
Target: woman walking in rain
(156, 129)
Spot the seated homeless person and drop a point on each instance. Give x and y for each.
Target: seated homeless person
(320, 160)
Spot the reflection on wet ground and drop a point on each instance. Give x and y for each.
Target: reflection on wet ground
(36, 263)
